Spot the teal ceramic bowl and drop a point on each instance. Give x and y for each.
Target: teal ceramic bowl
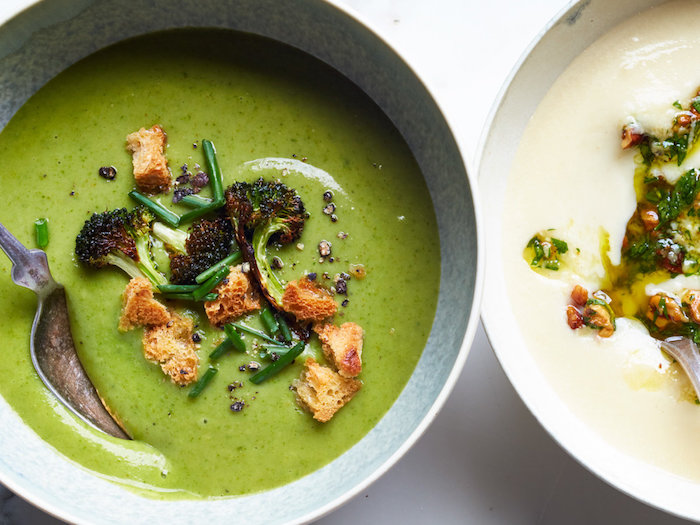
(43, 38)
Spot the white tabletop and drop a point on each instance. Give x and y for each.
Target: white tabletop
(485, 459)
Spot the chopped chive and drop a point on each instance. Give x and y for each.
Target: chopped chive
(41, 227)
(177, 288)
(160, 211)
(257, 333)
(196, 213)
(235, 338)
(190, 297)
(203, 382)
(209, 284)
(179, 296)
(228, 261)
(269, 321)
(221, 349)
(276, 366)
(284, 329)
(217, 182)
(195, 201)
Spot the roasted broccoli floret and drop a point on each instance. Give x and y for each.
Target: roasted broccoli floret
(206, 243)
(120, 238)
(265, 211)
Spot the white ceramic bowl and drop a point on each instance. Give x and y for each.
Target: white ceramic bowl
(564, 38)
(38, 42)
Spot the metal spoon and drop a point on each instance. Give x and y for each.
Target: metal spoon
(51, 344)
(685, 351)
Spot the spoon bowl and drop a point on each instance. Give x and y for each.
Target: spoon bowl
(685, 351)
(52, 348)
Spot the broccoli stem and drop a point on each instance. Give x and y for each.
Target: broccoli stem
(269, 282)
(145, 262)
(124, 263)
(173, 237)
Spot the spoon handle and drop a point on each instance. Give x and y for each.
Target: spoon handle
(30, 268)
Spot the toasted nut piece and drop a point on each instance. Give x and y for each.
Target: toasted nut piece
(237, 297)
(692, 299)
(632, 135)
(139, 308)
(579, 295)
(649, 218)
(573, 317)
(342, 345)
(664, 310)
(324, 391)
(598, 315)
(307, 301)
(172, 347)
(683, 120)
(151, 171)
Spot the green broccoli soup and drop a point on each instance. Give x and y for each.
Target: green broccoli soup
(283, 123)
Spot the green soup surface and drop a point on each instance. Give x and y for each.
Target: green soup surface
(271, 111)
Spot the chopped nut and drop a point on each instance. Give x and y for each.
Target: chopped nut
(650, 218)
(632, 135)
(329, 209)
(692, 299)
(598, 315)
(579, 295)
(300, 246)
(324, 248)
(573, 317)
(664, 310)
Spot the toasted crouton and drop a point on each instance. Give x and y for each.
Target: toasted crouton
(307, 301)
(151, 171)
(324, 391)
(236, 297)
(342, 345)
(172, 347)
(139, 308)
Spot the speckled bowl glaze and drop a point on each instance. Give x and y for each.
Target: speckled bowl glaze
(564, 38)
(48, 36)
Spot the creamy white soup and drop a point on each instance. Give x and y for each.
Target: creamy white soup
(572, 180)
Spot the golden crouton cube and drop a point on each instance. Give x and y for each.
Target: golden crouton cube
(324, 391)
(172, 347)
(237, 296)
(307, 301)
(342, 345)
(139, 308)
(151, 171)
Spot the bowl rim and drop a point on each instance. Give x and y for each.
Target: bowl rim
(37, 499)
(491, 319)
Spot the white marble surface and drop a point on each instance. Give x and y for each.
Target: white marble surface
(485, 459)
